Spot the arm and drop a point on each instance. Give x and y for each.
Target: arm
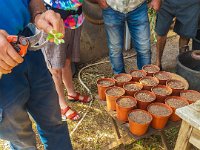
(102, 3)
(155, 4)
(45, 20)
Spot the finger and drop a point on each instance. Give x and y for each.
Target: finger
(4, 65)
(44, 25)
(14, 55)
(51, 17)
(62, 26)
(4, 33)
(3, 71)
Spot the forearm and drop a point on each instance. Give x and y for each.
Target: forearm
(36, 7)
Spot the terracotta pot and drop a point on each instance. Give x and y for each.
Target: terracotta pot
(150, 69)
(102, 87)
(132, 87)
(142, 103)
(146, 85)
(167, 91)
(124, 105)
(139, 128)
(159, 121)
(177, 99)
(163, 76)
(137, 74)
(111, 98)
(122, 76)
(191, 95)
(175, 89)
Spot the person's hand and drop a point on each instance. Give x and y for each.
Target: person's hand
(9, 58)
(49, 21)
(102, 3)
(155, 4)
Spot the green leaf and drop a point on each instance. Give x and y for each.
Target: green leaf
(56, 36)
(59, 35)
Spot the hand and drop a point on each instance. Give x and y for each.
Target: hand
(9, 58)
(155, 4)
(49, 21)
(102, 3)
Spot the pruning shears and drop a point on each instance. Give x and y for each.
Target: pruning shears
(21, 44)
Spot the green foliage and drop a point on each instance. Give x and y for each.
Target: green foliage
(152, 20)
(56, 37)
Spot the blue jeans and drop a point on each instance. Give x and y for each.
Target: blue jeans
(29, 89)
(138, 24)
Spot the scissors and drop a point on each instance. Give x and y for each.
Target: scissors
(22, 44)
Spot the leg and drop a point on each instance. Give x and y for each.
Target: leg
(164, 20)
(44, 107)
(160, 45)
(138, 24)
(183, 44)
(114, 25)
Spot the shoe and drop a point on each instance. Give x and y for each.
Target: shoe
(73, 116)
(78, 97)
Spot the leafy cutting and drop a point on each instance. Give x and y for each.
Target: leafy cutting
(56, 37)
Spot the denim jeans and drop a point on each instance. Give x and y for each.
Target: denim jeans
(29, 91)
(138, 24)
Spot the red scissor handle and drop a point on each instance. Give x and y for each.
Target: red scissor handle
(19, 43)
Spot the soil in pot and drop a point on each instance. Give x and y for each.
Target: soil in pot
(112, 93)
(149, 82)
(144, 98)
(122, 78)
(137, 74)
(161, 92)
(150, 69)
(191, 95)
(163, 77)
(102, 85)
(132, 87)
(161, 113)
(176, 85)
(176, 102)
(124, 105)
(139, 121)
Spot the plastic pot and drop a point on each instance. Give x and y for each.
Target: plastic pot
(159, 121)
(123, 109)
(175, 117)
(146, 85)
(111, 98)
(161, 97)
(150, 69)
(137, 75)
(142, 103)
(194, 95)
(162, 76)
(102, 87)
(123, 77)
(133, 90)
(138, 128)
(175, 90)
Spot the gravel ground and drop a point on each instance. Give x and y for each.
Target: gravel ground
(95, 131)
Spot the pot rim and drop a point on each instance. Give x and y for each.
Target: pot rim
(178, 98)
(114, 87)
(164, 72)
(149, 77)
(132, 82)
(162, 86)
(152, 66)
(146, 112)
(122, 74)
(131, 97)
(175, 88)
(145, 91)
(138, 71)
(100, 79)
(161, 104)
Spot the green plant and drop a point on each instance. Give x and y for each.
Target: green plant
(56, 37)
(152, 20)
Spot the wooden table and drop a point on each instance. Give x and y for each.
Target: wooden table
(121, 140)
(190, 128)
